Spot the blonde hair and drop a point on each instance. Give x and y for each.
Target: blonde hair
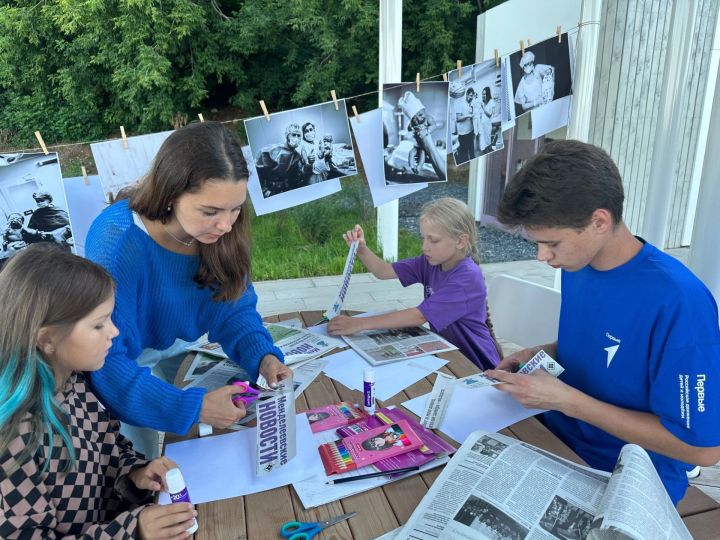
(455, 217)
(41, 286)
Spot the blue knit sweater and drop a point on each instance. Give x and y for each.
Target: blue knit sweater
(157, 302)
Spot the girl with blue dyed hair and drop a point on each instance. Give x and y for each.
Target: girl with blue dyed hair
(65, 470)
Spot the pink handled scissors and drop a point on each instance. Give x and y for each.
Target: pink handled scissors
(246, 395)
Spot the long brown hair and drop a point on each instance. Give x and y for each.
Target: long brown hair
(41, 286)
(187, 159)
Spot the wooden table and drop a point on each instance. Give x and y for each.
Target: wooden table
(259, 516)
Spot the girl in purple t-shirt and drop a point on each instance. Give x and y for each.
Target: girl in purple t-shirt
(455, 294)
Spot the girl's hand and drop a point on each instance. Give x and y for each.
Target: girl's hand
(152, 475)
(166, 521)
(342, 325)
(355, 234)
(274, 370)
(218, 408)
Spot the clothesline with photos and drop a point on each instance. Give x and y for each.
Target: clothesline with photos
(300, 155)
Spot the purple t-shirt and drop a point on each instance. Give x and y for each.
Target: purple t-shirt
(454, 305)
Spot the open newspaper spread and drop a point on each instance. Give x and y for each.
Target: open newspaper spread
(384, 346)
(296, 344)
(499, 487)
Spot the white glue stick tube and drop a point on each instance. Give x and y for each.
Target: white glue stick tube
(178, 492)
(369, 390)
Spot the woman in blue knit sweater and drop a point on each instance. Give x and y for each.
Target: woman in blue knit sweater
(178, 248)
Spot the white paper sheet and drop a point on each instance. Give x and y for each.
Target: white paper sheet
(476, 408)
(118, 166)
(347, 368)
(550, 117)
(289, 198)
(368, 135)
(85, 202)
(223, 466)
(314, 491)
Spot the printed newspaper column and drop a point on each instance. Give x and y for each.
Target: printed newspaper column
(336, 306)
(438, 401)
(276, 429)
(542, 360)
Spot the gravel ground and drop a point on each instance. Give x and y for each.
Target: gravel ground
(494, 244)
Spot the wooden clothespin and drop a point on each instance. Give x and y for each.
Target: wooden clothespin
(417, 82)
(42, 143)
(201, 117)
(558, 31)
(497, 59)
(459, 68)
(334, 98)
(264, 110)
(86, 180)
(445, 77)
(124, 137)
(522, 47)
(357, 116)
(529, 43)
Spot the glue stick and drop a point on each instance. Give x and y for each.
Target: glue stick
(369, 390)
(178, 492)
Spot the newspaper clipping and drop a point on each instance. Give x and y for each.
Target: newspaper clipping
(296, 344)
(276, 429)
(498, 487)
(384, 346)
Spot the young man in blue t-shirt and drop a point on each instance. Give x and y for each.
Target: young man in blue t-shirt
(638, 334)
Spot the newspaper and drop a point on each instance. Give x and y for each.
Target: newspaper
(337, 302)
(201, 364)
(381, 347)
(296, 344)
(499, 487)
(224, 371)
(275, 434)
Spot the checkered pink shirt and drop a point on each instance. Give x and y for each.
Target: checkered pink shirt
(94, 500)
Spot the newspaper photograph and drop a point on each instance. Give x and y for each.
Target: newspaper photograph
(297, 344)
(384, 346)
(498, 487)
(201, 364)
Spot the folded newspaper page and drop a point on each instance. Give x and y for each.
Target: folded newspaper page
(499, 487)
(296, 344)
(337, 302)
(276, 429)
(384, 346)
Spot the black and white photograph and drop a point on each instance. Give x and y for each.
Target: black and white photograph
(487, 446)
(414, 132)
(301, 147)
(475, 111)
(33, 207)
(541, 74)
(489, 520)
(564, 520)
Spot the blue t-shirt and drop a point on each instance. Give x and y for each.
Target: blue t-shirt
(643, 336)
(157, 302)
(454, 305)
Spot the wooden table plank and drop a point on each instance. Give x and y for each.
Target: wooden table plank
(380, 510)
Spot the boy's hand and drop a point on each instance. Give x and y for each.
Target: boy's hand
(355, 234)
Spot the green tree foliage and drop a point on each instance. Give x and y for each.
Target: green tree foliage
(78, 69)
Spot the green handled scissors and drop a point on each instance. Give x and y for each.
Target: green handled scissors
(299, 530)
